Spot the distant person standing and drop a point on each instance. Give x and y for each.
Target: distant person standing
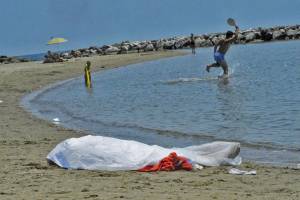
(87, 75)
(193, 44)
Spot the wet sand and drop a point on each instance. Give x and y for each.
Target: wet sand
(25, 142)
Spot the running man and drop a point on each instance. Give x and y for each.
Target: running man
(220, 50)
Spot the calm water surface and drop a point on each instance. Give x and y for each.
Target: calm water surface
(175, 102)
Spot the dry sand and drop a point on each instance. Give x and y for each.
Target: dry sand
(25, 141)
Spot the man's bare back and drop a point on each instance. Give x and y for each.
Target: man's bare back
(223, 46)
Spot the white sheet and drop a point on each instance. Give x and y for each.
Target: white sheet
(105, 153)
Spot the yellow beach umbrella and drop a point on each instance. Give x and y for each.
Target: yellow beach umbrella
(56, 41)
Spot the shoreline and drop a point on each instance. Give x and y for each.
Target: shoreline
(25, 142)
(257, 153)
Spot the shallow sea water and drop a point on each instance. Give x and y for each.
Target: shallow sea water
(175, 102)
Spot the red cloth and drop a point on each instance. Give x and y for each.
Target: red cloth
(170, 163)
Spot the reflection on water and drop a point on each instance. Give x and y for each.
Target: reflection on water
(175, 102)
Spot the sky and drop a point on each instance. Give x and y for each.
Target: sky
(27, 25)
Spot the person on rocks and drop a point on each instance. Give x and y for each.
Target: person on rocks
(220, 49)
(52, 57)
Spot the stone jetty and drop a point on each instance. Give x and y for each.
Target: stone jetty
(7, 60)
(252, 35)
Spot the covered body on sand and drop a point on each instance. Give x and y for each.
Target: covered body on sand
(105, 153)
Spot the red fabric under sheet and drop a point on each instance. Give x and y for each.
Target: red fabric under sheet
(170, 163)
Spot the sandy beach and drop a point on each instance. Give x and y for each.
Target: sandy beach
(25, 142)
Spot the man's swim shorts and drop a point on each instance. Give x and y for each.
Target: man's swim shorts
(219, 57)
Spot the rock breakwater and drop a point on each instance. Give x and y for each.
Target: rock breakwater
(252, 35)
(7, 60)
